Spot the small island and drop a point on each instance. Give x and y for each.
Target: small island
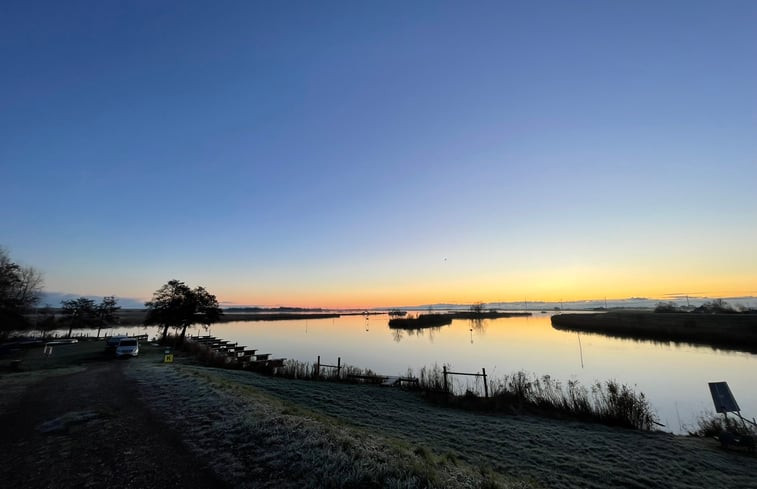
(421, 321)
(431, 320)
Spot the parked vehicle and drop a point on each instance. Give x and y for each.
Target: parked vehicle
(127, 347)
(112, 342)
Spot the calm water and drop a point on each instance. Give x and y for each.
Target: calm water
(673, 377)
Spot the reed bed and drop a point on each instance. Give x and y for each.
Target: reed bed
(294, 369)
(709, 425)
(609, 402)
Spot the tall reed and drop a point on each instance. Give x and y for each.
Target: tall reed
(606, 402)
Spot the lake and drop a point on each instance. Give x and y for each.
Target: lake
(673, 377)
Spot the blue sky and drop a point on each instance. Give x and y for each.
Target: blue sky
(357, 154)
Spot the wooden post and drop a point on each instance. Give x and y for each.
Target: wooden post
(338, 367)
(486, 387)
(444, 370)
(318, 367)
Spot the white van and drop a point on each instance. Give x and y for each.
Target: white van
(127, 347)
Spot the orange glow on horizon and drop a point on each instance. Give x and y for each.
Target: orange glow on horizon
(366, 300)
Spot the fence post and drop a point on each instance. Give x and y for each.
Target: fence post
(338, 367)
(444, 370)
(486, 387)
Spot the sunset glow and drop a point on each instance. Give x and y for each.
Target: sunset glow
(353, 155)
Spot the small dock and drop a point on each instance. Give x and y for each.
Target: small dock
(239, 356)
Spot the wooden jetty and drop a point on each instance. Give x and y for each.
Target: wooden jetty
(239, 356)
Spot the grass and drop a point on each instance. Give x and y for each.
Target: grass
(730, 431)
(294, 369)
(559, 454)
(709, 425)
(62, 355)
(264, 438)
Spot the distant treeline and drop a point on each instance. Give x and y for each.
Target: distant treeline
(486, 314)
(275, 316)
(719, 330)
(137, 316)
(235, 310)
(717, 306)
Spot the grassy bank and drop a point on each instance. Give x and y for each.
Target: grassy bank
(608, 403)
(248, 435)
(727, 331)
(555, 453)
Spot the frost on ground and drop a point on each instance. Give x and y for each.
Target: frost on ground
(250, 439)
(558, 454)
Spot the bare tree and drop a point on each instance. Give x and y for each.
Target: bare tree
(20, 289)
(107, 312)
(79, 313)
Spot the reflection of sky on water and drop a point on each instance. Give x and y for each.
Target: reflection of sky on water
(672, 376)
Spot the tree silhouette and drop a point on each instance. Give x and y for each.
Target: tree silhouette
(107, 312)
(20, 288)
(79, 313)
(175, 305)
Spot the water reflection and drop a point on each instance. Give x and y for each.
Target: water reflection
(399, 333)
(671, 375)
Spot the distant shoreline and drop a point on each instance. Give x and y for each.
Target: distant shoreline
(727, 331)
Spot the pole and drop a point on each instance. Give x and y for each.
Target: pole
(486, 387)
(338, 367)
(318, 367)
(444, 369)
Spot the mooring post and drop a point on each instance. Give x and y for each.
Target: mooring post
(444, 370)
(486, 387)
(338, 367)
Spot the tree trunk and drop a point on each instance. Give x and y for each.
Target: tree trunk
(183, 333)
(165, 334)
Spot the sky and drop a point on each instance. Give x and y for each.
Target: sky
(360, 154)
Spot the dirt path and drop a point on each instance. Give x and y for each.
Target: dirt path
(89, 429)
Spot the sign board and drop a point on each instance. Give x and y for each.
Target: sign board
(168, 358)
(722, 398)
